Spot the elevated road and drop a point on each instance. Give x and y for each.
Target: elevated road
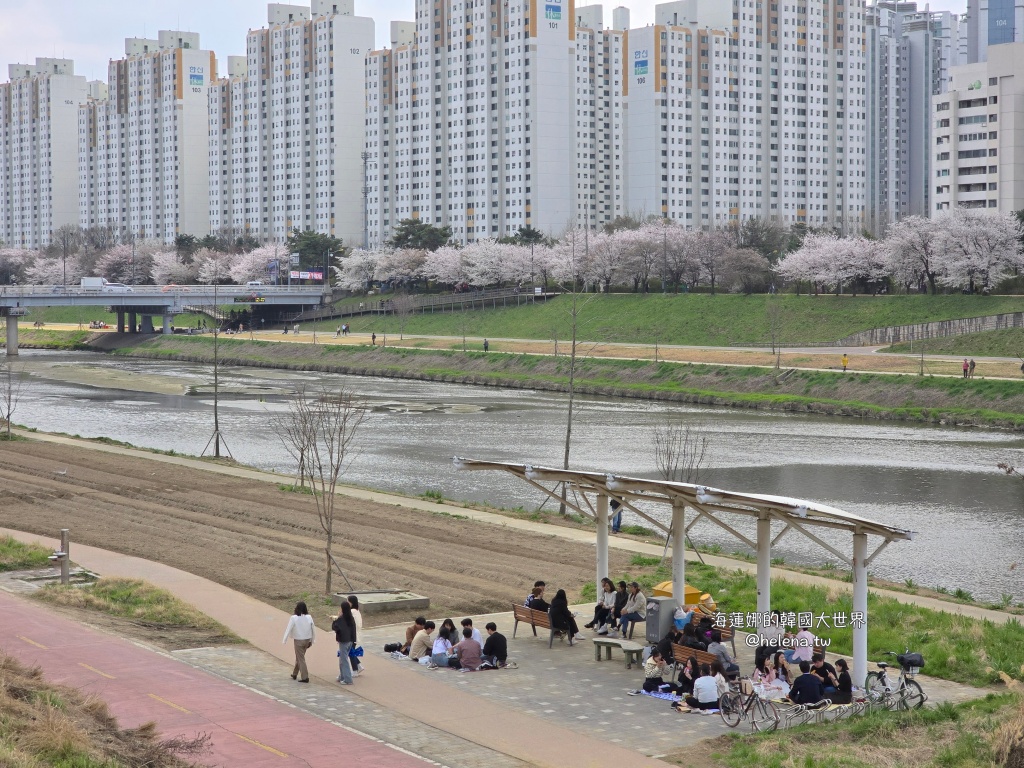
(149, 301)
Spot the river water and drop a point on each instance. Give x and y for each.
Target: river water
(939, 481)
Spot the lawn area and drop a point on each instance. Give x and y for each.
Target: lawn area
(137, 601)
(15, 556)
(954, 647)
(698, 319)
(984, 733)
(1007, 343)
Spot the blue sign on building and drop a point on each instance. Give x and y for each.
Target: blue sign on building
(195, 80)
(553, 12)
(640, 67)
(1000, 21)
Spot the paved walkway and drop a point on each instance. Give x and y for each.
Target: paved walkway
(140, 685)
(585, 537)
(395, 687)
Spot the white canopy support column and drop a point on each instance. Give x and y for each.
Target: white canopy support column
(679, 551)
(860, 606)
(602, 541)
(764, 563)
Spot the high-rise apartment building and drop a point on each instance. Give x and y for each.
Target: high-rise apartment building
(286, 126)
(488, 116)
(39, 151)
(143, 150)
(979, 135)
(910, 55)
(992, 22)
(749, 109)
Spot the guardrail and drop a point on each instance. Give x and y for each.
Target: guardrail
(424, 303)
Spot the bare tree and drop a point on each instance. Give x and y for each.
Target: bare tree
(10, 381)
(403, 306)
(681, 450)
(318, 431)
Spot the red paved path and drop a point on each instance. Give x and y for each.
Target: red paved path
(140, 685)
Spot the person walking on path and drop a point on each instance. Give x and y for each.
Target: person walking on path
(846, 361)
(301, 630)
(357, 664)
(971, 371)
(616, 507)
(337, 333)
(486, 345)
(373, 339)
(345, 633)
(967, 367)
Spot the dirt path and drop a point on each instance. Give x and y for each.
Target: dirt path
(266, 543)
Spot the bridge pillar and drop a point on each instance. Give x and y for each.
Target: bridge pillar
(12, 335)
(147, 324)
(120, 321)
(133, 323)
(167, 324)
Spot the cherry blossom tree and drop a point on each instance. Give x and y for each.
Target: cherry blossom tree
(913, 249)
(126, 263)
(980, 249)
(51, 271)
(357, 270)
(711, 249)
(254, 264)
(213, 266)
(168, 268)
(447, 265)
(401, 266)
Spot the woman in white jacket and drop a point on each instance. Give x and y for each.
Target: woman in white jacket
(301, 630)
(604, 607)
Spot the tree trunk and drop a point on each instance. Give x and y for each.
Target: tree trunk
(330, 547)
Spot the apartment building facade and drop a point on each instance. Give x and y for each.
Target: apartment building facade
(286, 126)
(38, 151)
(143, 149)
(979, 135)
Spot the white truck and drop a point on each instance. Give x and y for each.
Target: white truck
(93, 283)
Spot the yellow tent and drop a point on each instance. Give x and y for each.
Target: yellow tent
(691, 595)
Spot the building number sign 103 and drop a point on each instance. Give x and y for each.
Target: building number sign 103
(196, 78)
(640, 66)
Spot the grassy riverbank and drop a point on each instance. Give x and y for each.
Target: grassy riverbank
(698, 319)
(955, 647)
(911, 398)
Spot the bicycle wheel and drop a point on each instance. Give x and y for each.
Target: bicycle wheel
(730, 707)
(874, 687)
(766, 716)
(913, 695)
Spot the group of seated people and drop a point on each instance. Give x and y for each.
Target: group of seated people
(464, 649)
(701, 685)
(617, 607)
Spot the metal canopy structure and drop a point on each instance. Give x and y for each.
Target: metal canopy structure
(588, 493)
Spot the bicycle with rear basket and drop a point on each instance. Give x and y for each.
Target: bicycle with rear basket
(903, 693)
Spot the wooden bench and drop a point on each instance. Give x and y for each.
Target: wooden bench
(682, 652)
(632, 651)
(535, 619)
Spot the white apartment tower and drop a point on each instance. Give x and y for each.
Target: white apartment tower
(488, 116)
(749, 109)
(39, 151)
(286, 126)
(910, 54)
(143, 150)
(979, 135)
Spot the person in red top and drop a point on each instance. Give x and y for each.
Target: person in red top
(967, 367)
(469, 651)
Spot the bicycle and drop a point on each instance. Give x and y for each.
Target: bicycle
(743, 703)
(906, 692)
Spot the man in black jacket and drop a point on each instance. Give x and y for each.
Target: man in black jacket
(495, 646)
(807, 689)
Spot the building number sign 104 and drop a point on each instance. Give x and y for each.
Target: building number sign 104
(196, 78)
(640, 65)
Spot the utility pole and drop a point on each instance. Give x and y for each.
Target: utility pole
(366, 203)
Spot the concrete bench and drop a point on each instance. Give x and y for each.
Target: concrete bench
(632, 651)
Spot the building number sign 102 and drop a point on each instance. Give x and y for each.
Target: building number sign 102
(640, 66)
(196, 78)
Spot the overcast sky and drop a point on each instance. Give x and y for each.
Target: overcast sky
(92, 31)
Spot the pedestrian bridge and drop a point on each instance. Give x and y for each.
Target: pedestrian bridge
(149, 301)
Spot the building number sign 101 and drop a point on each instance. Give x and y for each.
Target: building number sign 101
(640, 66)
(196, 78)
